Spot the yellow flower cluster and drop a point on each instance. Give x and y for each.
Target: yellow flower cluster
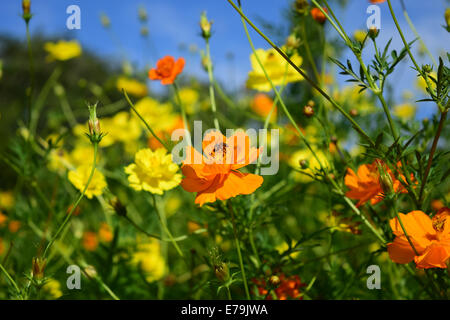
(53, 288)
(275, 66)
(159, 116)
(153, 171)
(62, 50)
(131, 86)
(148, 257)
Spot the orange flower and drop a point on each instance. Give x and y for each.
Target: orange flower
(288, 288)
(14, 226)
(377, 1)
(105, 233)
(365, 185)
(262, 104)
(318, 15)
(214, 174)
(3, 218)
(430, 237)
(90, 241)
(154, 144)
(167, 69)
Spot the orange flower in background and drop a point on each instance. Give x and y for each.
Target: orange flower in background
(262, 104)
(167, 69)
(288, 288)
(430, 237)
(318, 15)
(377, 1)
(14, 226)
(3, 218)
(214, 175)
(365, 184)
(105, 233)
(154, 144)
(90, 241)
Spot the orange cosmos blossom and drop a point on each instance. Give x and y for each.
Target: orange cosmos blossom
(167, 69)
(377, 1)
(430, 237)
(318, 15)
(214, 175)
(365, 184)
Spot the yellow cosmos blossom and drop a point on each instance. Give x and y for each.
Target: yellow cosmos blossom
(153, 171)
(189, 98)
(53, 288)
(351, 98)
(148, 257)
(80, 176)
(62, 50)
(132, 86)
(6, 200)
(284, 246)
(405, 111)
(313, 165)
(159, 116)
(275, 66)
(122, 127)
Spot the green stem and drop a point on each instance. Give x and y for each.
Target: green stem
(183, 112)
(32, 78)
(211, 85)
(143, 120)
(308, 53)
(75, 205)
(10, 278)
(238, 247)
(165, 228)
(388, 115)
(305, 76)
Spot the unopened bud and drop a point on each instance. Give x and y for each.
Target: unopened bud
(205, 26)
(205, 62)
(303, 163)
(221, 271)
(144, 31)
(142, 14)
(427, 68)
(447, 17)
(38, 266)
(308, 111)
(274, 280)
(311, 103)
(105, 20)
(90, 271)
(318, 15)
(386, 183)
(26, 4)
(353, 112)
(118, 207)
(373, 32)
(301, 6)
(292, 42)
(95, 135)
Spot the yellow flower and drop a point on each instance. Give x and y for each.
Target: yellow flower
(120, 128)
(189, 98)
(62, 50)
(148, 257)
(421, 84)
(405, 111)
(351, 98)
(282, 247)
(80, 176)
(131, 86)
(173, 203)
(313, 165)
(159, 117)
(53, 288)
(80, 153)
(359, 35)
(6, 199)
(275, 66)
(153, 171)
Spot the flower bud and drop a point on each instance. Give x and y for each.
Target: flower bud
(144, 31)
(95, 135)
(353, 112)
(118, 207)
(205, 26)
(38, 266)
(222, 272)
(292, 42)
(26, 4)
(373, 32)
(301, 6)
(303, 163)
(106, 23)
(142, 14)
(447, 18)
(90, 271)
(386, 183)
(274, 280)
(427, 68)
(308, 111)
(318, 15)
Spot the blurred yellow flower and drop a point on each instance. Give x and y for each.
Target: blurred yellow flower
(122, 127)
(351, 98)
(275, 66)
(62, 50)
(148, 257)
(80, 153)
(313, 165)
(421, 84)
(80, 176)
(53, 288)
(189, 98)
(159, 116)
(153, 171)
(173, 203)
(360, 35)
(405, 111)
(282, 247)
(131, 86)
(6, 200)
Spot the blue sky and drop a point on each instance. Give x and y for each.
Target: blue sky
(172, 22)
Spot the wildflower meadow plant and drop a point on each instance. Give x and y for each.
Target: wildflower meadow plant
(162, 180)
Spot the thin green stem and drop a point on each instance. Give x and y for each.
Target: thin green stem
(238, 247)
(31, 63)
(143, 120)
(211, 85)
(308, 52)
(388, 115)
(75, 205)
(16, 287)
(183, 112)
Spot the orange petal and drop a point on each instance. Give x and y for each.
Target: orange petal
(435, 256)
(400, 251)
(418, 226)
